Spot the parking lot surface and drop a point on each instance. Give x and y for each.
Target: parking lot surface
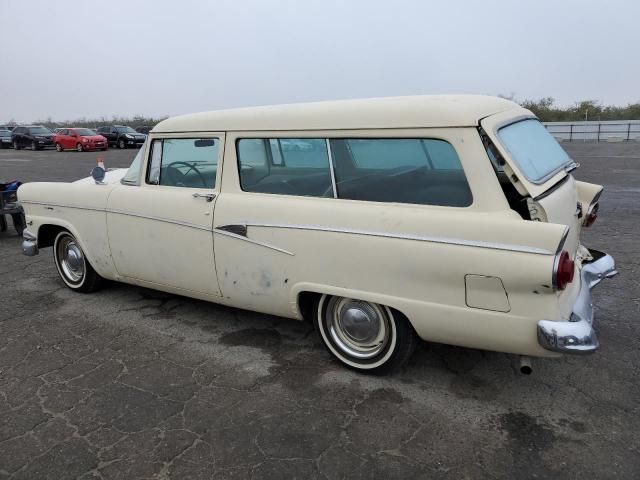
(133, 383)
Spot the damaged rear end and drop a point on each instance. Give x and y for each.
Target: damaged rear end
(535, 174)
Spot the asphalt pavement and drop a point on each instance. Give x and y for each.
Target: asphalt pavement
(132, 383)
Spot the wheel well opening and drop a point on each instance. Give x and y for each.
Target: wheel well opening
(47, 234)
(306, 300)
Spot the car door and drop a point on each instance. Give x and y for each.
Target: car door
(18, 136)
(160, 231)
(63, 138)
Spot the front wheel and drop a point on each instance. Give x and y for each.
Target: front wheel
(78, 147)
(74, 268)
(16, 145)
(122, 144)
(365, 336)
(34, 146)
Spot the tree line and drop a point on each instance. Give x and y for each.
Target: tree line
(547, 111)
(134, 122)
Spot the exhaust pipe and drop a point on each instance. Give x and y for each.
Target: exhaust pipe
(525, 366)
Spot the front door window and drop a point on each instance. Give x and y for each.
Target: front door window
(184, 162)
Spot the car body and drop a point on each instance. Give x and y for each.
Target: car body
(5, 138)
(35, 137)
(122, 136)
(144, 129)
(79, 139)
(383, 221)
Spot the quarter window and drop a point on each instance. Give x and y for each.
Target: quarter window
(285, 166)
(184, 162)
(419, 171)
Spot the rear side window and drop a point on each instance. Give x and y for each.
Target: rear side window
(419, 171)
(285, 166)
(184, 162)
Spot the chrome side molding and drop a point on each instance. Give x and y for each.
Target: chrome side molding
(407, 236)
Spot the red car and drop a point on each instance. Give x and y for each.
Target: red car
(80, 139)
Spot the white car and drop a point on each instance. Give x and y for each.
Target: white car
(452, 219)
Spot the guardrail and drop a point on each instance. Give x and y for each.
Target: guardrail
(609, 131)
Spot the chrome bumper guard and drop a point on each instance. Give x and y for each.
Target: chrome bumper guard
(577, 336)
(29, 244)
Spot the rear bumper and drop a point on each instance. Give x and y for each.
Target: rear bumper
(93, 146)
(577, 336)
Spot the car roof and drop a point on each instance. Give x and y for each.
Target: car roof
(389, 112)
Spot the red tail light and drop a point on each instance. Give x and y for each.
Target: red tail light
(591, 215)
(563, 270)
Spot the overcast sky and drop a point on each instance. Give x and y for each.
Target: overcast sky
(163, 57)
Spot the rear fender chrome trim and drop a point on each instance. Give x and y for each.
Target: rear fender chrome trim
(420, 238)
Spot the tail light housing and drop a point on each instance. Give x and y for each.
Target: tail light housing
(592, 214)
(563, 270)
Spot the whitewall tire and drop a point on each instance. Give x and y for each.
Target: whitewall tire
(72, 264)
(363, 335)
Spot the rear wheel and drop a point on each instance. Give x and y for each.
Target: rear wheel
(78, 147)
(59, 147)
(74, 268)
(363, 335)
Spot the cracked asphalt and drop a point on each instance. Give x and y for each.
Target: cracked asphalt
(131, 383)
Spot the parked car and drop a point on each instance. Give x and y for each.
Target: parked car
(122, 136)
(145, 129)
(7, 127)
(5, 138)
(34, 136)
(80, 139)
(452, 219)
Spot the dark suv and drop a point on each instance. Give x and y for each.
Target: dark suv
(122, 136)
(34, 137)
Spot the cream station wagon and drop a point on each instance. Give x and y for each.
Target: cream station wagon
(452, 219)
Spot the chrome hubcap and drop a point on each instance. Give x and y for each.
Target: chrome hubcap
(360, 329)
(71, 259)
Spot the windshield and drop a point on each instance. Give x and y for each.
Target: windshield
(85, 132)
(125, 130)
(133, 174)
(5, 133)
(534, 149)
(39, 131)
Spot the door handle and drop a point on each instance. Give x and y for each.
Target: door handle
(208, 196)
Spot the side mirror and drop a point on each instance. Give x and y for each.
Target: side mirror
(98, 174)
